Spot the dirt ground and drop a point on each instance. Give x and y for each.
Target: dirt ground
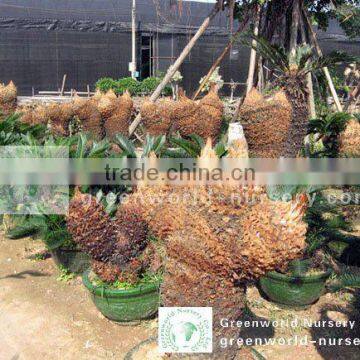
(43, 317)
(46, 317)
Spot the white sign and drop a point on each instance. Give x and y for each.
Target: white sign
(185, 330)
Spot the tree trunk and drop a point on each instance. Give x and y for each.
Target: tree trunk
(172, 69)
(261, 77)
(299, 121)
(309, 81)
(294, 31)
(252, 64)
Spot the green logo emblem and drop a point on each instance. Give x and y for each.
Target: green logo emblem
(185, 330)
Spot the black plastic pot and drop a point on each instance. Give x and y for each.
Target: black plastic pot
(73, 260)
(300, 290)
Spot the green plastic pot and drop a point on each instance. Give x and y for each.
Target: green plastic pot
(73, 260)
(300, 290)
(135, 304)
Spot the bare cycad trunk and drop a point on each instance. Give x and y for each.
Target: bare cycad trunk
(298, 97)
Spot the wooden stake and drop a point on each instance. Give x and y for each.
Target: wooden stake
(172, 69)
(252, 64)
(63, 85)
(325, 69)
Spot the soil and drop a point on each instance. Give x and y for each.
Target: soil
(43, 317)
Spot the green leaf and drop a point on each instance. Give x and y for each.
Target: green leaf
(159, 143)
(197, 140)
(99, 150)
(56, 238)
(175, 154)
(149, 142)
(189, 147)
(126, 145)
(81, 146)
(220, 149)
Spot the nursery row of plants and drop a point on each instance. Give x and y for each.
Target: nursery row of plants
(144, 263)
(133, 86)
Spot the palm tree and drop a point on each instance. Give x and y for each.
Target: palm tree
(290, 71)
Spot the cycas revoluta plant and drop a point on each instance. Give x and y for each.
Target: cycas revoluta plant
(327, 129)
(8, 98)
(203, 118)
(325, 222)
(119, 117)
(14, 132)
(291, 71)
(50, 228)
(266, 123)
(193, 147)
(120, 247)
(214, 246)
(153, 145)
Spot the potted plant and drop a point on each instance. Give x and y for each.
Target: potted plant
(122, 301)
(126, 262)
(51, 229)
(305, 280)
(302, 285)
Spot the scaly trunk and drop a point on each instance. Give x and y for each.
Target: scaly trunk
(300, 114)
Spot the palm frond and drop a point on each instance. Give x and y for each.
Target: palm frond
(275, 54)
(302, 56)
(329, 124)
(348, 280)
(154, 144)
(56, 238)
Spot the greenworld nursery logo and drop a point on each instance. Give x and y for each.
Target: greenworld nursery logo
(185, 330)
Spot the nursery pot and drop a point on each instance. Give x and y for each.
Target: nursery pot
(73, 260)
(299, 290)
(139, 303)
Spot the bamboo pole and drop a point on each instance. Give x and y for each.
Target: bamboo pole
(325, 69)
(252, 64)
(172, 69)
